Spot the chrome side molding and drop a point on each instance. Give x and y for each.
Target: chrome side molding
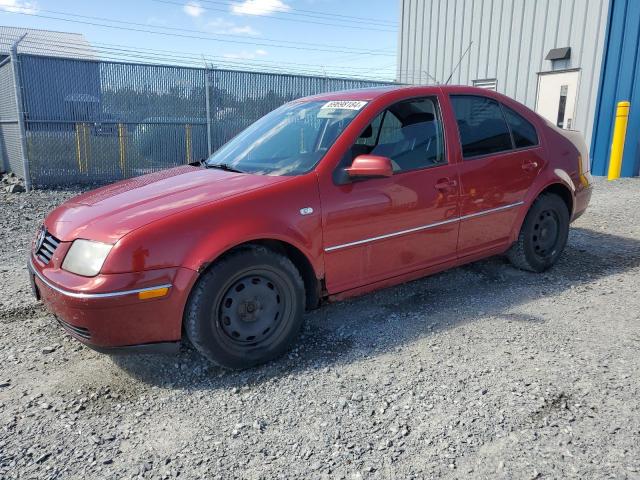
(423, 227)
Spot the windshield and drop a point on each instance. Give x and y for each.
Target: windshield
(288, 141)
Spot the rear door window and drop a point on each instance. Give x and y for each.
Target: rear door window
(481, 126)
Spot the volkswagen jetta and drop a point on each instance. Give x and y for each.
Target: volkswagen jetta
(324, 198)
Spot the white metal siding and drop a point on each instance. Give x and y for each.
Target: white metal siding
(10, 145)
(511, 39)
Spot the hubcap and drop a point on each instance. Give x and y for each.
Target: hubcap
(546, 231)
(251, 309)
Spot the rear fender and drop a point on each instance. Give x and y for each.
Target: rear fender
(557, 177)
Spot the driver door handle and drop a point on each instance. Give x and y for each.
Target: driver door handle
(529, 165)
(446, 184)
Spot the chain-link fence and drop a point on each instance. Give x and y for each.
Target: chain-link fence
(93, 121)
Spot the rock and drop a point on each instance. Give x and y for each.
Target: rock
(43, 458)
(15, 188)
(50, 349)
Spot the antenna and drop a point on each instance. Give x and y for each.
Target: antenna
(459, 62)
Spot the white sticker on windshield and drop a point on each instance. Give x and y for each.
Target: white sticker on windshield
(344, 104)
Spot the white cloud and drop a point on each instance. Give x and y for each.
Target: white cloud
(222, 26)
(259, 7)
(244, 55)
(193, 9)
(18, 6)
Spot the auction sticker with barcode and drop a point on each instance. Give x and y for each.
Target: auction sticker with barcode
(345, 104)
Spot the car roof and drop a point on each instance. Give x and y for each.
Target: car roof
(367, 94)
(372, 93)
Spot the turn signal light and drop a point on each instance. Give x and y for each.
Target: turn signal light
(155, 293)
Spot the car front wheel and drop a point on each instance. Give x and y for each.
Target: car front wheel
(246, 309)
(543, 235)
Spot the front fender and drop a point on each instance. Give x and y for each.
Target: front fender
(198, 236)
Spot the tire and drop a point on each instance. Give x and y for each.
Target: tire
(543, 235)
(246, 309)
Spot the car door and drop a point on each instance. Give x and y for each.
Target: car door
(379, 228)
(500, 162)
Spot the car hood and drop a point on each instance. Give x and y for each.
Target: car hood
(108, 213)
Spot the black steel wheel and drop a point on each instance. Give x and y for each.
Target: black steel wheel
(250, 310)
(546, 230)
(246, 309)
(543, 235)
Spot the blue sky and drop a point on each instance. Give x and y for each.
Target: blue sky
(337, 37)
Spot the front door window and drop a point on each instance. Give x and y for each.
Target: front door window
(409, 133)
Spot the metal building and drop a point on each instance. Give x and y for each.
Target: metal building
(570, 60)
(30, 40)
(45, 42)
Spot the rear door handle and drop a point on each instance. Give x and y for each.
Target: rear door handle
(530, 165)
(446, 184)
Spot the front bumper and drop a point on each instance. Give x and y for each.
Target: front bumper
(106, 312)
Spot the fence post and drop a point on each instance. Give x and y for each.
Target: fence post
(188, 142)
(121, 145)
(20, 112)
(208, 100)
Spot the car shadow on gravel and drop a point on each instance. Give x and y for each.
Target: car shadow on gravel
(392, 318)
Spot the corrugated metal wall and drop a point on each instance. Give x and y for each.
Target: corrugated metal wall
(510, 41)
(621, 82)
(10, 146)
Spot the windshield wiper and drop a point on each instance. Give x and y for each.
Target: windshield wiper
(222, 166)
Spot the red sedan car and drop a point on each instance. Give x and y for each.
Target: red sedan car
(326, 197)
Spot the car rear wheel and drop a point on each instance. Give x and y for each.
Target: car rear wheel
(543, 235)
(246, 309)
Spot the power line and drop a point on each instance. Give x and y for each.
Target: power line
(291, 10)
(190, 30)
(359, 27)
(119, 54)
(294, 45)
(173, 54)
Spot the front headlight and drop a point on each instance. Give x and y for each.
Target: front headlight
(86, 257)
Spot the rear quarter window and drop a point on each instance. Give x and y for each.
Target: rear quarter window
(524, 133)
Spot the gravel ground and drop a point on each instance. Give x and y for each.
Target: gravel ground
(479, 372)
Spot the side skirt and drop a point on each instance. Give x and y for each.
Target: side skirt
(424, 272)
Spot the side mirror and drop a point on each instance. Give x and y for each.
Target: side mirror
(370, 166)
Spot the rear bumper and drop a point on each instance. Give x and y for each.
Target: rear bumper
(107, 314)
(582, 199)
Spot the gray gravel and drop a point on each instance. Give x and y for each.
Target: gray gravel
(480, 372)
